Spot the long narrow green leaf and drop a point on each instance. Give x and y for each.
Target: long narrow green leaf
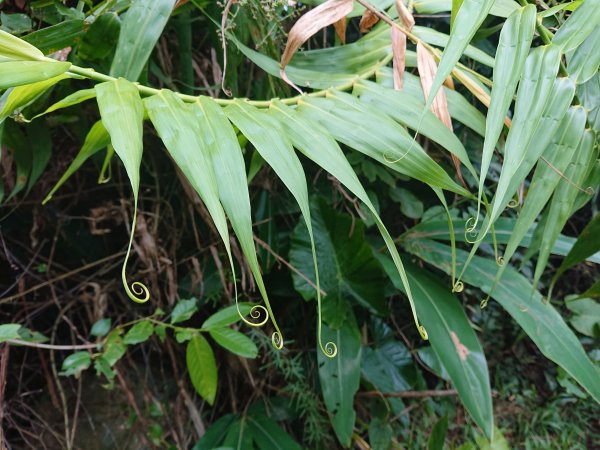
(539, 320)
(583, 21)
(364, 128)
(18, 73)
(122, 115)
(225, 154)
(22, 96)
(563, 199)
(96, 139)
(143, 25)
(405, 109)
(70, 100)
(468, 19)
(513, 47)
(11, 47)
(316, 143)
(452, 339)
(264, 133)
(56, 37)
(583, 63)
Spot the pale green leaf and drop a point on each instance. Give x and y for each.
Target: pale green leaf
(76, 363)
(18, 73)
(202, 368)
(9, 331)
(11, 47)
(140, 332)
(582, 22)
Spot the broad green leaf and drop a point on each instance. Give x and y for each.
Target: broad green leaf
(363, 128)
(70, 100)
(202, 368)
(122, 115)
(215, 433)
(239, 435)
(11, 47)
(140, 30)
(16, 23)
(388, 364)
(234, 341)
(586, 316)
(101, 327)
(547, 174)
(561, 205)
(588, 94)
(452, 339)
(56, 37)
(101, 37)
(9, 331)
(539, 320)
(586, 245)
(381, 434)
(315, 142)
(582, 22)
(76, 363)
(340, 378)
(227, 316)
(405, 109)
(18, 73)
(468, 19)
(114, 348)
(268, 435)
(264, 133)
(21, 96)
(438, 434)
(224, 151)
(583, 63)
(140, 332)
(512, 50)
(347, 265)
(96, 139)
(183, 310)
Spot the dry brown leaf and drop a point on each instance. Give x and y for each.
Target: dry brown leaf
(340, 29)
(316, 19)
(399, 57)
(405, 15)
(368, 20)
(427, 69)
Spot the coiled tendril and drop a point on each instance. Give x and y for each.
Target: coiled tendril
(458, 286)
(138, 292)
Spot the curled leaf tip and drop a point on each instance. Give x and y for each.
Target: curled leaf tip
(277, 340)
(458, 286)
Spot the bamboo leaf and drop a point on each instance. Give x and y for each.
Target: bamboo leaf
(225, 154)
(11, 47)
(513, 47)
(141, 28)
(18, 73)
(310, 138)
(202, 368)
(468, 19)
(70, 100)
(539, 320)
(561, 206)
(22, 96)
(96, 139)
(122, 115)
(582, 22)
(264, 133)
(452, 339)
(583, 63)
(56, 37)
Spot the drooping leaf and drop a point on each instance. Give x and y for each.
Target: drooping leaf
(583, 63)
(513, 47)
(234, 341)
(514, 292)
(140, 30)
(70, 100)
(224, 152)
(340, 377)
(202, 368)
(468, 19)
(96, 139)
(18, 73)
(452, 339)
(122, 115)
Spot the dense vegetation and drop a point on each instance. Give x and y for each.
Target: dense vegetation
(269, 224)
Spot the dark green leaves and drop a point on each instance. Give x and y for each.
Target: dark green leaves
(202, 368)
